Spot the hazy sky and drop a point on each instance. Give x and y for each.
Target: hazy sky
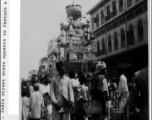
(40, 21)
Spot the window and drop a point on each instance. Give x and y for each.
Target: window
(109, 44)
(122, 38)
(115, 41)
(140, 31)
(145, 7)
(92, 23)
(102, 17)
(129, 3)
(120, 5)
(103, 46)
(97, 20)
(114, 8)
(108, 12)
(98, 47)
(131, 40)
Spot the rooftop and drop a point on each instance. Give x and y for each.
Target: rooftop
(97, 6)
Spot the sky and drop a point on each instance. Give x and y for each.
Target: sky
(40, 21)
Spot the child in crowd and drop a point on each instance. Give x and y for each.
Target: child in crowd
(25, 106)
(36, 102)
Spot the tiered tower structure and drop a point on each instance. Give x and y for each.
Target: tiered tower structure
(75, 42)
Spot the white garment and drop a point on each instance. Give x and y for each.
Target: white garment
(31, 89)
(75, 82)
(83, 92)
(36, 102)
(76, 88)
(43, 89)
(122, 87)
(49, 106)
(25, 108)
(61, 86)
(48, 88)
(123, 92)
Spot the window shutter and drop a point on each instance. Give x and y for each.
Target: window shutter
(95, 20)
(128, 37)
(105, 18)
(112, 14)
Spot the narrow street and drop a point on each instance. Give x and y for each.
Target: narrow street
(95, 68)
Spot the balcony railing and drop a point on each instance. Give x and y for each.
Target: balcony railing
(116, 46)
(123, 43)
(120, 9)
(101, 52)
(129, 3)
(114, 13)
(108, 17)
(102, 20)
(98, 53)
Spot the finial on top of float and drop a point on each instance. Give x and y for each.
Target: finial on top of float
(72, 1)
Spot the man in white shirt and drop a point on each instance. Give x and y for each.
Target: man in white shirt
(123, 93)
(36, 102)
(61, 94)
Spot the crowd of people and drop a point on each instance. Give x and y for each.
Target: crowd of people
(76, 96)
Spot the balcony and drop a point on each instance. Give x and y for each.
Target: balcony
(121, 9)
(107, 17)
(103, 51)
(114, 13)
(129, 3)
(102, 21)
(100, 53)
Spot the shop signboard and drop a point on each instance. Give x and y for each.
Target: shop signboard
(80, 49)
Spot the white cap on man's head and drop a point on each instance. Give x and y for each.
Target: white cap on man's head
(36, 85)
(100, 66)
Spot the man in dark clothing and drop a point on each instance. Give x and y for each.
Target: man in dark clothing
(140, 92)
(98, 89)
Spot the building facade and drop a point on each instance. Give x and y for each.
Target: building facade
(121, 34)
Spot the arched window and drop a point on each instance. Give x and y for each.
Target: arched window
(102, 17)
(131, 35)
(92, 23)
(115, 41)
(97, 20)
(109, 44)
(122, 38)
(129, 3)
(108, 12)
(103, 46)
(140, 31)
(98, 47)
(114, 8)
(120, 5)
